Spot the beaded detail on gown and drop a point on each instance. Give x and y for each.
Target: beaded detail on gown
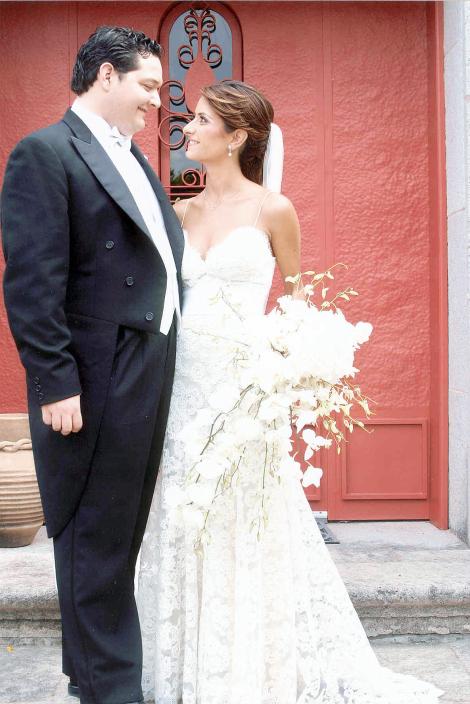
(251, 622)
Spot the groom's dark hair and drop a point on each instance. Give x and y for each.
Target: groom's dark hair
(120, 46)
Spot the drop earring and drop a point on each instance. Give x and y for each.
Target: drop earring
(230, 150)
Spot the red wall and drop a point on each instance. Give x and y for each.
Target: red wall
(339, 139)
(357, 91)
(34, 89)
(38, 43)
(378, 103)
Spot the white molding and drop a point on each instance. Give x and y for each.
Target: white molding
(457, 99)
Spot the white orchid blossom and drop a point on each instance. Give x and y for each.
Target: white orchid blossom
(312, 475)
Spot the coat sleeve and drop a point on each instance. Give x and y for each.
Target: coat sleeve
(35, 233)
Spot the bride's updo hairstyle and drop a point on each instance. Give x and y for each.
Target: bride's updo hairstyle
(243, 107)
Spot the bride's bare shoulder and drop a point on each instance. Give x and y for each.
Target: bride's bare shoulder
(180, 206)
(278, 210)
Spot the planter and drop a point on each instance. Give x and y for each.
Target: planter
(21, 513)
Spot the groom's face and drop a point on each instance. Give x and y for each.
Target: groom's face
(133, 94)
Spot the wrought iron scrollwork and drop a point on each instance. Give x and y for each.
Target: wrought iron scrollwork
(199, 56)
(199, 28)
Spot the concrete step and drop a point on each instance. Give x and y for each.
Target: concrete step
(29, 608)
(404, 578)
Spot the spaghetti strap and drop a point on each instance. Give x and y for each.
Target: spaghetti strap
(261, 206)
(185, 211)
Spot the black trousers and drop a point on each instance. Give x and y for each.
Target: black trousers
(96, 553)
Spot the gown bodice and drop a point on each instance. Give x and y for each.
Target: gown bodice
(232, 280)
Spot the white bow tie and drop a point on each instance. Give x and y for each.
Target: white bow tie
(120, 139)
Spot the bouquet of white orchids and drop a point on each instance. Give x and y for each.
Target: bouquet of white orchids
(293, 378)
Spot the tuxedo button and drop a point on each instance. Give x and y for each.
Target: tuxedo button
(149, 316)
(130, 280)
(40, 395)
(109, 244)
(38, 387)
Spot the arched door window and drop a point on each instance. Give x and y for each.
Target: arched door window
(202, 45)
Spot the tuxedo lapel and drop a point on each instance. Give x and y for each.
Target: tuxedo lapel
(110, 178)
(103, 168)
(172, 224)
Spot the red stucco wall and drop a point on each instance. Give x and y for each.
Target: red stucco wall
(355, 87)
(38, 43)
(375, 107)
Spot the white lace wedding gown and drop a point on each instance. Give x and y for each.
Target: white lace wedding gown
(266, 622)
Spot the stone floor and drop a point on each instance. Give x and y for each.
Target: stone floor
(442, 660)
(30, 674)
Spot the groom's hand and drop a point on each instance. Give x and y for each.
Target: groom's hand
(64, 416)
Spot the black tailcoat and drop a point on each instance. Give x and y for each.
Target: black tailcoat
(84, 289)
(72, 238)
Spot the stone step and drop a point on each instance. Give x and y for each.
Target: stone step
(404, 578)
(29, 609)
(408, 592)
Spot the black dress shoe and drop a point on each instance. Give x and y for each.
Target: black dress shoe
(73, 689)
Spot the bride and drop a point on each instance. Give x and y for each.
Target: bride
(248, 621)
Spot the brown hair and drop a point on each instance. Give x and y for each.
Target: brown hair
(243, 107)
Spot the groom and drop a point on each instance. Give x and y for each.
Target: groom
(92, 287)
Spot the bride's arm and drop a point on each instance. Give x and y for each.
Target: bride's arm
(283, 226)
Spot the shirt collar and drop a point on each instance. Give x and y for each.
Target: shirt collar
(104, 133)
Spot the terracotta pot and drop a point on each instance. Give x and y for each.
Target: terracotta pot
(21, 513)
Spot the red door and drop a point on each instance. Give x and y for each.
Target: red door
(357, 90)
(383, 213)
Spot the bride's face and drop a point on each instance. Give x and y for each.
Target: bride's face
(207, 139)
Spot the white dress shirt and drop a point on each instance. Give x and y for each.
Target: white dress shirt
(118, 149)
